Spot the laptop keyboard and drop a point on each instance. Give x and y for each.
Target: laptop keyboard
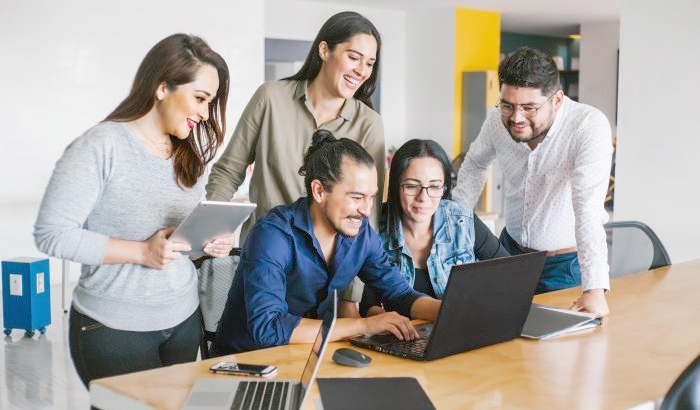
(387, 343)
(261, 395)
(416, 347)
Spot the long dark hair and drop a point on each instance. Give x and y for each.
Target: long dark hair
(414, 148)
(175, 61)
(338, 29)
(324, 159)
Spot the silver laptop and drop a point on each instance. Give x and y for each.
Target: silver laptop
(232, 392)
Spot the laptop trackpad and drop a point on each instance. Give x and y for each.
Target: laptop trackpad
(213, 399)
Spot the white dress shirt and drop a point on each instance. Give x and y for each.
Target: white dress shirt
(554, 194)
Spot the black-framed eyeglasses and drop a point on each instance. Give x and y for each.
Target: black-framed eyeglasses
(527, 110)
(433, 191)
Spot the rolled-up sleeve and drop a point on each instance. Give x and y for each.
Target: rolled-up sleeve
(267, 254)
(589, 184)
(228, 173)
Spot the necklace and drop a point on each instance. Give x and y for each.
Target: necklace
(160, 146)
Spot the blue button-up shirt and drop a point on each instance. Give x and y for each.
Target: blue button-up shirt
(283, 276)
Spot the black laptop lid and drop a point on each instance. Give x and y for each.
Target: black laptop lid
(485, 303)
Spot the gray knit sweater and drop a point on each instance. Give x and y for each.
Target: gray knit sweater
(107, 185)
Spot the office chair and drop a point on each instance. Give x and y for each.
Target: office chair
(215, 277)
(633, 247)
(685, 391)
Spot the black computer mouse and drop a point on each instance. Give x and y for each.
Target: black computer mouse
(349, 357)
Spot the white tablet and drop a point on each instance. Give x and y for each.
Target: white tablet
(210, 220)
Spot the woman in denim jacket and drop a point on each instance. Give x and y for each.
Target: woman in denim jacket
(423, 231)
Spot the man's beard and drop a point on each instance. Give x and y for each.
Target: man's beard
(532, 136)
(339, 228)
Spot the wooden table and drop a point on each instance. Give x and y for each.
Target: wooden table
(650, 336)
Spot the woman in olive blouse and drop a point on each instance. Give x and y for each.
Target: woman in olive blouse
(332, 91)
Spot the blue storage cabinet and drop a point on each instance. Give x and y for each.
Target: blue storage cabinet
(25, 295)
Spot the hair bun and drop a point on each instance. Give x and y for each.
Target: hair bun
(318, 140)
(322, 136)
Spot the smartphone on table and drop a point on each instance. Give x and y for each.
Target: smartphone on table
(243, 369)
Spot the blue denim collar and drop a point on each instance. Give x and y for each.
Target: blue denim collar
(441, 230)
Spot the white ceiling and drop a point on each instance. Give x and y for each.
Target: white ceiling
(543, 17)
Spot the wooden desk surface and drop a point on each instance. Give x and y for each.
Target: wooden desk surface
(650, 336)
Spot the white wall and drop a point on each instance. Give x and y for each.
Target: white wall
(598, 70)
(430, 70)
(659, 141)
(301, 20)
(67, 64)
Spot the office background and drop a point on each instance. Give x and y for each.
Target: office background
(65, 65)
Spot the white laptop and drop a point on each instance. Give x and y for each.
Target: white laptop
(232, 392)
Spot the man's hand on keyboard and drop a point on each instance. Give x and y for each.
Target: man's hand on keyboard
(399, 326)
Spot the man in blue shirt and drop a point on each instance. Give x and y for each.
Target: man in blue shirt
(297, 254)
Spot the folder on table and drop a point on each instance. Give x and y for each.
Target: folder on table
(544, 322)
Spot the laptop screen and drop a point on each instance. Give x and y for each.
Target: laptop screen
(312, 363)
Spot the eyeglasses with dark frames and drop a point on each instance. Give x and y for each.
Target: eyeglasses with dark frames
(433, 191)
(527, 110)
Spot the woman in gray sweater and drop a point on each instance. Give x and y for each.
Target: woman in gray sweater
(114, 198)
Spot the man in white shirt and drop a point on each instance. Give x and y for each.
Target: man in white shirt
(555, 154)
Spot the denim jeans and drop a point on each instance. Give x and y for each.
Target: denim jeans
(560, 271)
(99, 351)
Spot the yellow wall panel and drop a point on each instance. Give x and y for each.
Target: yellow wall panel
(477, 48)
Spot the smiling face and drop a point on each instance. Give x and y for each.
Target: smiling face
(533, 129)
(350, 201)
(348, 65)
(421, 172)
(181, 109)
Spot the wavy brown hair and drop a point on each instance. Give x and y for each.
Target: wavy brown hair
(175, 61)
